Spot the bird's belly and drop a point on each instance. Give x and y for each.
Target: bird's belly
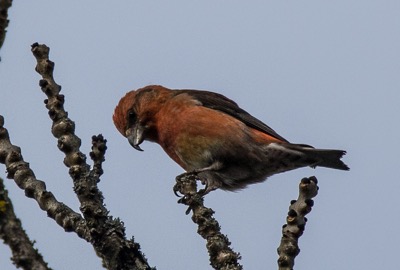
(195, 152)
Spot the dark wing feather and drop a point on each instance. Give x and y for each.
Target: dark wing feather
(221, 103)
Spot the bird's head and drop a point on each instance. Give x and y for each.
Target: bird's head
(135, 114)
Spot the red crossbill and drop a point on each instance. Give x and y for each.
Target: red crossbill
(211, 136)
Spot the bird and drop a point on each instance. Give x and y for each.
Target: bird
(210, 136)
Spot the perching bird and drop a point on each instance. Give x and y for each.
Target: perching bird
(210, 135)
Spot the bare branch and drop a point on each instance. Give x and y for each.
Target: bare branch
(4, 6)
(19, 170)
(97, 155)
(221, 254)
(11, 231)
(296, 221)
(107, 234)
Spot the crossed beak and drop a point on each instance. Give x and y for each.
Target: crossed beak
(135, 136)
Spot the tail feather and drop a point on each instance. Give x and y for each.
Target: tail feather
(328, 158)
(331, 159)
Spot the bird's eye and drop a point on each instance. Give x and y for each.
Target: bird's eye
(132, 117)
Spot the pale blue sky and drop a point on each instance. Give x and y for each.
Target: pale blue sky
(325, 73)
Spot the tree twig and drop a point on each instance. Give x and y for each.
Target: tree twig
(107, 233)
(19, 170)
(4, 6)
(222, 256)
(296, 221)
(24, 255)
(99, 148)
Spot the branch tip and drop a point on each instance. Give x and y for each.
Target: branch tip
(296, 222)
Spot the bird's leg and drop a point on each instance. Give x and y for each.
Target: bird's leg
(207, 188)
(215, 166)
(209, 185)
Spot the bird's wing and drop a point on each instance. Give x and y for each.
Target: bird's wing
(221, 103)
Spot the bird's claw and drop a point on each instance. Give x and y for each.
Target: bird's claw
(176, 190)
(180, 183)
(185, 187)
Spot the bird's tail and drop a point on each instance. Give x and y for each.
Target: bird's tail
(328, 158)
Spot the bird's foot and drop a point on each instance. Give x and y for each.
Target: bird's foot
(186, 185)
(187, 181)
(208, 187)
